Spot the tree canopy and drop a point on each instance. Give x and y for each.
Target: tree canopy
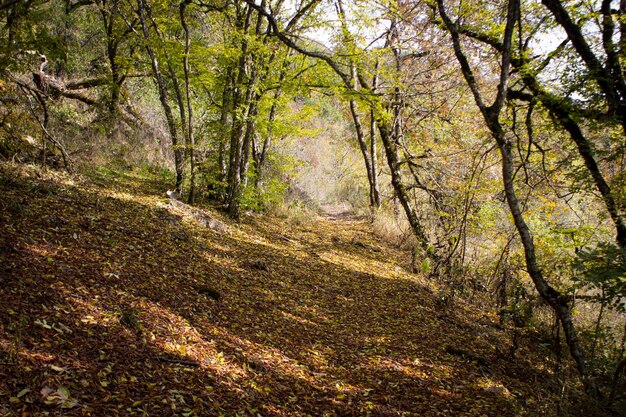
(486, 139)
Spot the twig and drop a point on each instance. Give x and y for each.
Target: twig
(178, 361)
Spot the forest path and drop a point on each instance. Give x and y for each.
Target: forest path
(112, 302)
(339, 211)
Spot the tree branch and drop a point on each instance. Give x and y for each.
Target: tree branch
(8, 4)
(286, 39)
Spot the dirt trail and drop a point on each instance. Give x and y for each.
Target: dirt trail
(339, 212)
(114, 303)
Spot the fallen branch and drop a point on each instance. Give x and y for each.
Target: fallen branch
(54, 88)
(94, 82)
(365, 246)
(193, 363)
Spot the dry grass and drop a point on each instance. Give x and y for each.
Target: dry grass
(393, 229)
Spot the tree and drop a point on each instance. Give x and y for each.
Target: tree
(117, 32)
(254, 71)
(190, 135)
(385, 121)
(143, 12)
(602, 90)
(491, 114)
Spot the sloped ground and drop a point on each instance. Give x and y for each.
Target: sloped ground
(114, 303)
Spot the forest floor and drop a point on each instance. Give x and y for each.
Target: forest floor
(113, 302)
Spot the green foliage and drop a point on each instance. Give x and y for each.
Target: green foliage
(520, 308)
(603, 271)
(251, 199)
(271, 195)
(156, 172)
(265, 195)
(100, 174)
(209, 182)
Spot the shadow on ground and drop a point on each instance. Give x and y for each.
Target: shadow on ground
(113, 303)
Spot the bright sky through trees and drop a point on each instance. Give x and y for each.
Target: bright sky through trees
(374, 208)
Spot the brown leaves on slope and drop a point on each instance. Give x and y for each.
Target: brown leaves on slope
(113, 303)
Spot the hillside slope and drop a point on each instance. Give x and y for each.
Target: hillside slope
(114, 303)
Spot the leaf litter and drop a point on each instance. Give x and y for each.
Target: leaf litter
(114, 303)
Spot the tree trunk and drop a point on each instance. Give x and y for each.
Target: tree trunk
(234, 176)
(402, 194)
(611, 83)
(248, 140)
(375, 189)
(491, 114)
(112, 43)
(181, 107)
(260, 157)
(260, 69)
(224, 132)
(244, 128)
(190, 137)
(364, 150)
(560, 111)
(349, 41)
(566, 114)
(552, 297)
(240, 109)
(164, 99)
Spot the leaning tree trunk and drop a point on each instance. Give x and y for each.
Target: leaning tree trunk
(551, 296)
(391, 152)
(563, 114)
(566, 114)
(364, 150)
